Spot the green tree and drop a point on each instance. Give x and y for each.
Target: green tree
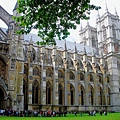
(52, 18)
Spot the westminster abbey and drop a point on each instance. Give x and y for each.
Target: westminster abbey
(70, 76)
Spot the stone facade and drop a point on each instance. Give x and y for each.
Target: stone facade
(68, 76)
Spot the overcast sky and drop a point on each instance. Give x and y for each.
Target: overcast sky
(8, 5)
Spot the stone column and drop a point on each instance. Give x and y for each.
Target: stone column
(76, 88)
(43, 84)
(55, 85)
(30, 80)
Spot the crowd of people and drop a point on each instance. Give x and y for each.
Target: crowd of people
(29, 113)
(48, 113)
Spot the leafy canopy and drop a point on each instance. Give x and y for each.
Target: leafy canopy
(52, 18)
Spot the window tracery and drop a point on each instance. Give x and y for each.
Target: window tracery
(104, 33)
(48, 73)
(35, 71)
(113, 32)
(93, 42)
(35, 92)
(60, 74)
(13, 60)
(72, 76)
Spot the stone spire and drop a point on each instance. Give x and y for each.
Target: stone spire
(75, 52)
(116, 12)
(98, 15)
(16, 6)
(75, 48)
(106, 8)
(65, 50)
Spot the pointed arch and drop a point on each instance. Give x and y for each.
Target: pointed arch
(72, 94)
(91, 94)
(49, 72)
(60, 92)
(36, 71)
(60, 74)
(48, 92)
(35, 87)
(82, 94)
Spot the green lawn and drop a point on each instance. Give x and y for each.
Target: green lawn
(110, 116)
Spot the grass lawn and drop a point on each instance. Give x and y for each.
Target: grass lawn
(110, 116)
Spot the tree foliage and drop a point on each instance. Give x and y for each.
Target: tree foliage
(52, 18)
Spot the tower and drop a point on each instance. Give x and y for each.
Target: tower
(108, 43)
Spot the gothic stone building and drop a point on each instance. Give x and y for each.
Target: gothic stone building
(69, 76)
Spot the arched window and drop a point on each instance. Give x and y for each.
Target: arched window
(72, 76)
(35, 71)
(72, 94)
(82, 95)
(60, 74)
(104, 33)
(91, 95)
(35, 86)
(60, 91)
(93, 42)
(113, 31)
(48, 73)
(48, 93)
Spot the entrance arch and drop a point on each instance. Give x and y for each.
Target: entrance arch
(2, 98)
